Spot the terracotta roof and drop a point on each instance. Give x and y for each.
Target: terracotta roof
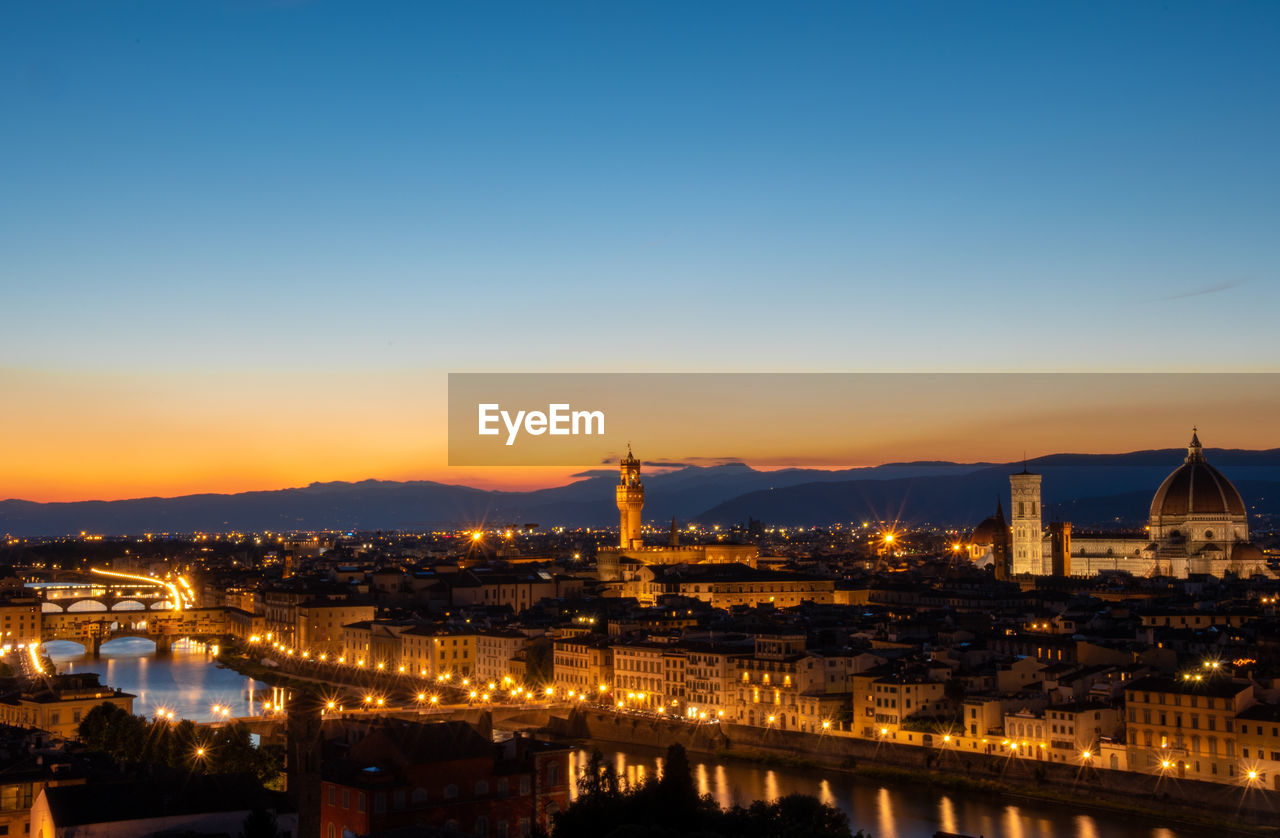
(1196, 488)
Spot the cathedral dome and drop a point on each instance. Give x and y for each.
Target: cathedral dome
(984, 534)
(1196, 488)
(1247, 553)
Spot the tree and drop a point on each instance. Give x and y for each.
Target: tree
(792, 816)
(676, 790)
(599, 779)
(181, 745)
(261, 823)
(114, 731)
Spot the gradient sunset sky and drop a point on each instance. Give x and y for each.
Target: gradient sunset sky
(243, 242)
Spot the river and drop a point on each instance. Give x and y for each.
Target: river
(884, 810)
(188, 682)
(191, 684)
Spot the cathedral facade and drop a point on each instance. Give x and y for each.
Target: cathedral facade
(1197, 524)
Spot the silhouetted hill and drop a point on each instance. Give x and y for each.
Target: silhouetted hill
(1087, 488)
(388, 505)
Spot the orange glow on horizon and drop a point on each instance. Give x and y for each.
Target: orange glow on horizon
(81, 435)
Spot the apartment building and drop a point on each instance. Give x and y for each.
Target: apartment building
(1186, 726)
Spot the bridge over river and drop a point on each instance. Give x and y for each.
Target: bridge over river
(101, 605)
(271, 726)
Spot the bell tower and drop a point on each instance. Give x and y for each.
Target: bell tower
(1000, 545)
(1028, 533)
(630, 502)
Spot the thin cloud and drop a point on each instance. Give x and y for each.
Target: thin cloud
(685, 463)
(1200, 292)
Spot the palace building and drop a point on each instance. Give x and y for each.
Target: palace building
(1197, 524)
(624, 562)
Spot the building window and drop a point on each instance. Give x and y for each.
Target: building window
(331, 793)
(450, 792)
(482, 827)
(482, 788)
(359, 801)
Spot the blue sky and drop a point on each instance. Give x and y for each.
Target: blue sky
(717, 185)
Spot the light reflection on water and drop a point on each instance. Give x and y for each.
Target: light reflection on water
(901, 810)
(187, 682)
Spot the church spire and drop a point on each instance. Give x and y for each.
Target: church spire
(1195, 451)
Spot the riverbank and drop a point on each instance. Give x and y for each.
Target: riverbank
(1188, 803)
(1198, 805)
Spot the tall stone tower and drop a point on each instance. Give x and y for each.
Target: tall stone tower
(630, 503)
(1000, 545)
(302, 761)
(1060, 548)
(1028, 534)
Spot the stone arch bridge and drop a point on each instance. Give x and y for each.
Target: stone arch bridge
(86, 594)
(93, 628)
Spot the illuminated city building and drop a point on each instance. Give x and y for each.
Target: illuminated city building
(1185, 726)
(57, 703)
(631, 554)
(1197, 524)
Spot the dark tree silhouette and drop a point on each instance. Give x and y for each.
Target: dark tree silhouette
(223, 750)
(261, 823)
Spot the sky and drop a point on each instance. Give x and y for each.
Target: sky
(243, 243)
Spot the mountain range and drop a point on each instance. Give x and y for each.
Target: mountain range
(1091, 490)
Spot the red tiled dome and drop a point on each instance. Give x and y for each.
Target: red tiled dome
(1196, 488)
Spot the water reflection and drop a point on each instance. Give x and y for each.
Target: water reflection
(187, 682)
(884, 809)
(824, 793)
(1012, 823)
(901, 810)
(947, 815)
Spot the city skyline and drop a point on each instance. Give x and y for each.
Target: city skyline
(581, 418)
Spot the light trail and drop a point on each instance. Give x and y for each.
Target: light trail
(148, 580)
